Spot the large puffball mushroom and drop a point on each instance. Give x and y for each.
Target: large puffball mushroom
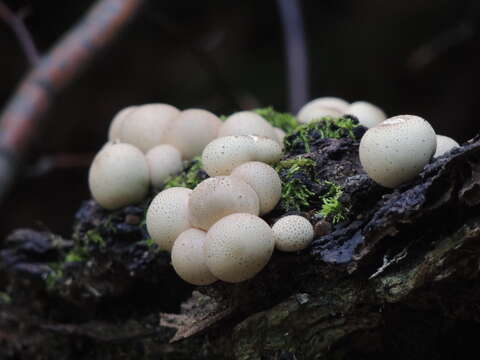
(444, 144)
(220, 196)
(188, 258)
(321, 107)
(118, 176)
(264, 180)
(192, 130)
(114, 131)
(238, 247)
(280, 134)
(397, 149)
(146, 125)
(247, 123)
(292, 233)
(266, 150)
(163, 161)
(367, 114)
(168, 216)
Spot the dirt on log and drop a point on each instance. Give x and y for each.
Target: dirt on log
(397, 276)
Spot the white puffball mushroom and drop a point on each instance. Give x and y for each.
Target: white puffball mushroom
(368, 114)
(163, 161)
(247, 123)
(118, 176)
(292, 233)
(192, 130)
(220, 196)
(266, 150)
(114, 131)
(238, 247)
(444, 144)
(188, 258)
(168, 216)
(321, 107)
(280, 134)
(146, 125)
(264, 180)
(397, 149)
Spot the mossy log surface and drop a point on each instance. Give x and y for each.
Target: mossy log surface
(398, 276)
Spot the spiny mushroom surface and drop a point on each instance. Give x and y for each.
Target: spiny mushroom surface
(397, 149)
(264, 180)
(118, 176)
(292, 233)
(163, 161)
(146, 125)
(192, 130)
(168, 216)
(188, 258)
(247, 123)
(217, 197)
(114, 131)
(444, 144)
(367, 114)
(238, 246)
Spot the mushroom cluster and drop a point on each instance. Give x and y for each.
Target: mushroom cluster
(367, 114)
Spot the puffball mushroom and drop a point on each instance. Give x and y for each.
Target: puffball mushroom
(264, 180)
(367, 114)
(292, 233)
(321, 107)
(220, 196)
(280, 134)
(146, 125)
(247, 123)
(118, 176)
(192, 130)
(168, 216)
(238, 246)
(163, 161)
(188, 258)
(224, 154)
(397, 149)
(444, 144)
(114, 131)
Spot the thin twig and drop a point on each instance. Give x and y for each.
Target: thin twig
(296, 53)
(21, 32)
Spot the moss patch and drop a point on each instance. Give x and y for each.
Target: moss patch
(190, 177)
(284, 121)
(332, 209)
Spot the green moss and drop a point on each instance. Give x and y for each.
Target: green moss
(284, 121)
(75, 255)
(93, 237)
(332, 209)
(190, 177)
(5, 298)
(326, 127)
(56, 273)
(223, 117)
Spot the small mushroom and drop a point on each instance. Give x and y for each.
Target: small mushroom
(266, 150)
(444, 144)
(321, 107)
(188, 258)
(114, 131)
(192, 130)
(292, 233)
(220, 196)
(118, 176)
(247, 123)
(146, 125)
(238, 247)
(280, 134)
(168, 216)
(397, 149)
(163, 161)
(367, 114)
(264, 180)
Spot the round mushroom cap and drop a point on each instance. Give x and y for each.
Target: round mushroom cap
(163, 161)
(146, 125)
(118, 176)
(247, 123)
(114, 131)
(396, 150)
(329, 102)
(308, 114)
(192, 130)
(266, 150)
(168, 216)
(188, 258)
(292, 233)
(280, 134)
(238, 247)
(368, 114)
(264, 180)
(217, 197)
(444, 144)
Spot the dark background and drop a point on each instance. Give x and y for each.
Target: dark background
(417, 57)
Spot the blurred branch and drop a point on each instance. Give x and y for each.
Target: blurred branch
(296, 53)
(55, 70)
(21, 32)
